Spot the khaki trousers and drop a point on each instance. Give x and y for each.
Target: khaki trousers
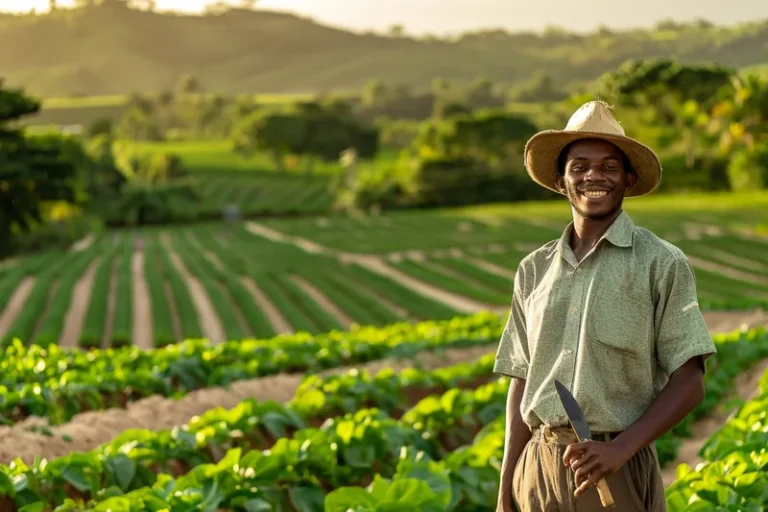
(542, 482)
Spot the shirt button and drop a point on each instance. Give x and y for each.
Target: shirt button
(568, 351)
(578, 270)
(574, 310)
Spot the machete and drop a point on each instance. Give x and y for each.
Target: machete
(583, 432)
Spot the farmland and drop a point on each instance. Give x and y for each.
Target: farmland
(432, 434)
(330, 362)
(152, 286)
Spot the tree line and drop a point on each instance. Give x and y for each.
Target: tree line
(708, 123)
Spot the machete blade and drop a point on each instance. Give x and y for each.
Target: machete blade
(574, 412)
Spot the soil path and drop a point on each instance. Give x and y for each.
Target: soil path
(279, 323)
(727, 271)
(81, 297)
(323, 301)
(457, 302)
(15, 304)
(492, 268)
(82, 244)
(88, 430)
(142, 306)
(210, 323)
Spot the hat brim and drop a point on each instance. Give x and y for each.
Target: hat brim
(543, 149)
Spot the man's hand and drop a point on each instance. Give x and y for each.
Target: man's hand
(592, 461)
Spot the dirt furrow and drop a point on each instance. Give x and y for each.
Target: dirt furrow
(727, 271)
(279, 323)
(210, 323)
(15, 304)
(81, 297)
(142, 306)
(457, 302)
(88, 430)
(323, 301)
(491, 268)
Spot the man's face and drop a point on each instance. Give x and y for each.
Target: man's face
(595, 179)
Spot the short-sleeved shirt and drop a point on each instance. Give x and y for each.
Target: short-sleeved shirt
(612, 328)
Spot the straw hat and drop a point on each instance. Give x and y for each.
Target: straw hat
(593, 120)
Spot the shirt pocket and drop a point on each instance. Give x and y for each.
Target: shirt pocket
(620, 320)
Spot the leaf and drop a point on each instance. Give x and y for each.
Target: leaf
(349, 498)
(33, 507)
(124, 469)
(257, 505)
(306, 499)
(411, 491)
(6, 485)
(76, 476)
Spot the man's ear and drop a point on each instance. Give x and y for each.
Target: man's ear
(560, 183)
(631, 179)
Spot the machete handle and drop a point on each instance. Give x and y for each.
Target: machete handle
(606, 498)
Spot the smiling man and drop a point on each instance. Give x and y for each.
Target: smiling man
(610, 310)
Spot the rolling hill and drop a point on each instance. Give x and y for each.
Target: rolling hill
(111, 49)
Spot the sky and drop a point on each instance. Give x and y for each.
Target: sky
(454, 16)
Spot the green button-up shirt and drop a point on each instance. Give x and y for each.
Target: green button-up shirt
(611, 328)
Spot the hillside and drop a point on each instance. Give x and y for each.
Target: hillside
(110, 49)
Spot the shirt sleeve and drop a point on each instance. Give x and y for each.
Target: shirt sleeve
(681, 332)
(512, 356)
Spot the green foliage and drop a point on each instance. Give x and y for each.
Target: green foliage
(33, 169)
(307, 129)
(104, 378)
(748, 168)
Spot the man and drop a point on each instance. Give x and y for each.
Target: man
(610, 310)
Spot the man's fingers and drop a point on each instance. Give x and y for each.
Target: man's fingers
(585, 458)
(589, 482)
(586, 470)
(574, 451)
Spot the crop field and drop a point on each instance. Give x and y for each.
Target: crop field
(221, 281)
(425, 437)
(331, 363)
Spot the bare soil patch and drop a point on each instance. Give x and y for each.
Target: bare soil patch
(210, 323)
(492, 268)
(91, 429)
(142, 306)
(307, 245)
(82, 244)
(16, 304)
(727, 271)
(323, 301)
(81, 297)
(457, 302)
(279, 323)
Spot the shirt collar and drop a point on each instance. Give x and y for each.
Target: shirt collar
(619, 233)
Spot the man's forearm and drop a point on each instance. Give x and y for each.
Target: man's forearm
(517, 436)
(683, 392)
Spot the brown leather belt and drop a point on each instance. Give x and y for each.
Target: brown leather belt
(565, 435)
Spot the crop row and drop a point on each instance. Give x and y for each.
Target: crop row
(734, 474)
(57, 383)
(286, 462)
(135, 458)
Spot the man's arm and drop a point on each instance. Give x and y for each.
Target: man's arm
(593, 461)
(517, 434)
(512, 360)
